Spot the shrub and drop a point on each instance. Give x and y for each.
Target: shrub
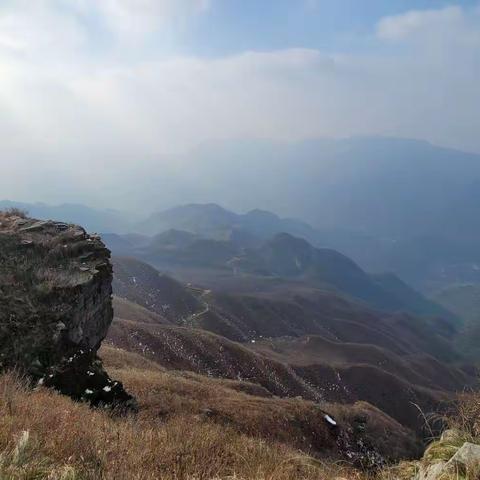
(467, 415)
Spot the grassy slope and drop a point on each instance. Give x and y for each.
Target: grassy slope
(194, 428)
(69, 441)
(189, 427)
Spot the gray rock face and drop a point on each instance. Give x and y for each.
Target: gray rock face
(432, 472)
(466, 458)
(55, 304)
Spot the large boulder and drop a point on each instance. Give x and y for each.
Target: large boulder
(56, 307)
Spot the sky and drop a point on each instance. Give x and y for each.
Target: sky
(91, 89)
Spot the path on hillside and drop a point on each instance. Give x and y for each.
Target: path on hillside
(201, 298)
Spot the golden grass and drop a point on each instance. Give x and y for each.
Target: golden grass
(295, 422)
(46, 436)
(190, 427)
(467, 416)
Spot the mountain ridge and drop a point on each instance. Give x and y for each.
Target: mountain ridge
(283, 257)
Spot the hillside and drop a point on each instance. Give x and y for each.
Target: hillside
(222, 264)
(56, 285)
(189, 426)
(287, 310)
(391, 386)
(291, 257)
(464, 300)
(46, 435)
(318, 346)
(142, 284)
(293, 421)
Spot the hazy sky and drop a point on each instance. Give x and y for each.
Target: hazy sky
(91, 88)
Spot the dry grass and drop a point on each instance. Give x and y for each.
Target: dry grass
(13, 212)
(190, 427)
(467, 416)
(464, 426)
(46, 436)
(291, 421)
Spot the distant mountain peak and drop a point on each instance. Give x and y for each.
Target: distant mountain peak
(210, 207)
(287, 240)
(259, 213)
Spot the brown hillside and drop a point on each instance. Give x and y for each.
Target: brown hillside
(295, 422)
(279, 313)
(203, 352)
(214, 356)
(417, 369)
(142, 284)
(126, 309)
(331, 349)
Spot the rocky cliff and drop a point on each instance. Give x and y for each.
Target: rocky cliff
(56, 307)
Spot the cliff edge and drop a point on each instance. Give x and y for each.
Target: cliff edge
(56, 307)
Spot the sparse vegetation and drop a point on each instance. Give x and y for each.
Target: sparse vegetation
(463, 425)
(45, 435)
(13, 212)
(467, 418)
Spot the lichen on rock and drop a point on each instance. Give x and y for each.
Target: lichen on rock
(56, 307)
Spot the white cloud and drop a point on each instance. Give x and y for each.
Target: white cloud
(34, 26)
(447, 31)
(57, 25)
(140, 16)
(401, 27)
(64, 109)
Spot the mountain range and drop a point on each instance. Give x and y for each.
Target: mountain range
(312, 343)
(280, 262)
(392, 205)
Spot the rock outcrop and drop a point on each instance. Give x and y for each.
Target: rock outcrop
(56, 307)
(452, 457)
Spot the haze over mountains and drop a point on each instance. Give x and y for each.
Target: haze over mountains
(313, 311)
(390, 204)
(312, 343)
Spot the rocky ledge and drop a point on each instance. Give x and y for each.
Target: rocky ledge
(56, 307)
